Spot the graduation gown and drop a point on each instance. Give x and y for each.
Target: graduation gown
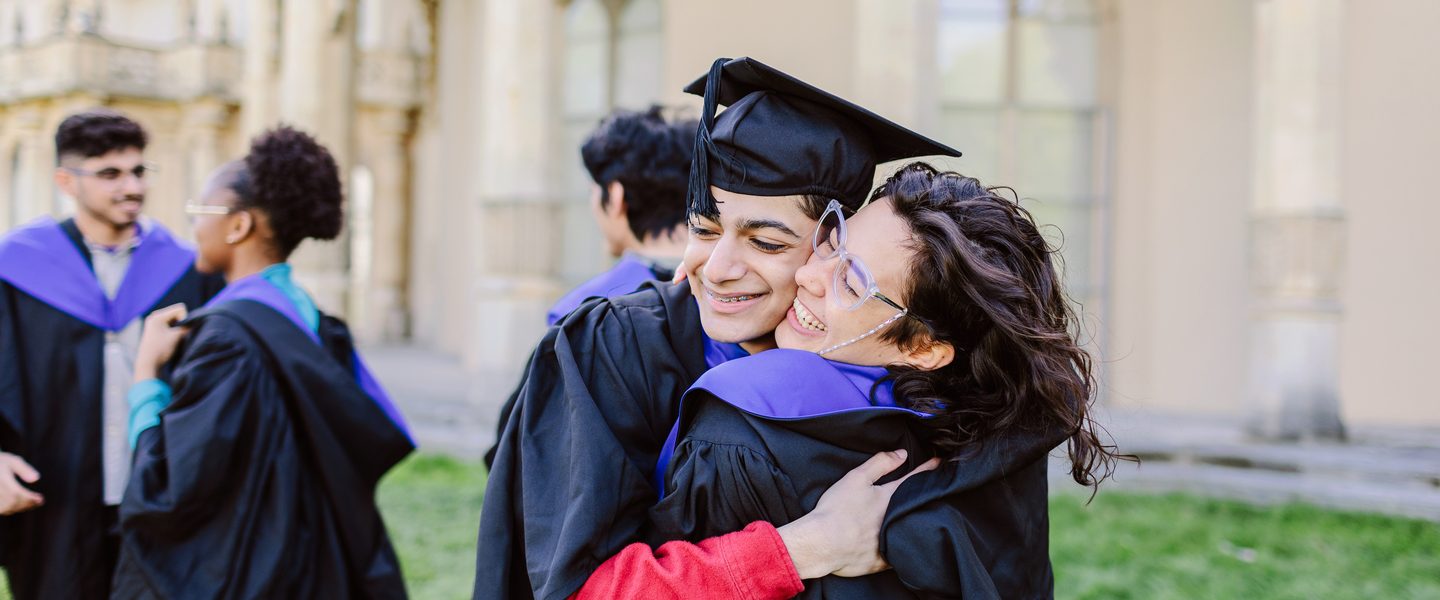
(624, 278)
(570, 485)
(761, 438)
(54, 318)
(259, 481)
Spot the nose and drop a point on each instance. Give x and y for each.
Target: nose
(726, 262)
(133, 185)
(811, 276)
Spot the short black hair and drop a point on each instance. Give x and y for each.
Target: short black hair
(295, 181)
(651, 158)
(97, 132)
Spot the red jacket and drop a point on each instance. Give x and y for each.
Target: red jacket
(750, 564)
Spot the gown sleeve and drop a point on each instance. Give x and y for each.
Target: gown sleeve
(751, 564)
(977, 527)
(187, 461)
(10, 398)
(570, 486)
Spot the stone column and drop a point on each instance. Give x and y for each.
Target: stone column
(378, 293)
(261, 62)
(517, 225)
(316, 93)
(36, 186)
(204, 119)
(1297, 222)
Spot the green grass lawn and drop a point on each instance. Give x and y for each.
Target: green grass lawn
(1180, 546)
(1119, 546)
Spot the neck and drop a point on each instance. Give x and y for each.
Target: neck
(99, 232)
(666, 246)
(245, 265)
(759, 344)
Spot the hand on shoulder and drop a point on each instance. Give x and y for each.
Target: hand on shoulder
(842, 535)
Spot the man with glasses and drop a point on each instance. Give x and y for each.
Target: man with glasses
(574, 471)
(73, 295)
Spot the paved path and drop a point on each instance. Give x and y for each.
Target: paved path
(1391, 470)
(447, 408)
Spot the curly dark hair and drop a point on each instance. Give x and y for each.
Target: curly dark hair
(292, 179)
(97, 132)
(651, 158)
(985, 281)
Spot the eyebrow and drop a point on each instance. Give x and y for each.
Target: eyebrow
(752, 224)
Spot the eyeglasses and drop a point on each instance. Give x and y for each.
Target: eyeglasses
(112, 174)
(195, 210)
(853, 284)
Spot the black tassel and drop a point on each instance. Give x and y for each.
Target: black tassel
(700, 200)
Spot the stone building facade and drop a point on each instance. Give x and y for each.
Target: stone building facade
(1239, 185)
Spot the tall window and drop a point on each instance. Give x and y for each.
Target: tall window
(638, 54)
(612, 58)
(1018, 97)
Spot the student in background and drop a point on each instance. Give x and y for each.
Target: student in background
(257, 455)
(73, 295)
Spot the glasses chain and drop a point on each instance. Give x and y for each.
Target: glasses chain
(862, 336)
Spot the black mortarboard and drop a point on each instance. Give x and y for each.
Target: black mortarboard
(781, 136)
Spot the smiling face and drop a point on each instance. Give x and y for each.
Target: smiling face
(741, 265)
(819, 318)
(109, 188)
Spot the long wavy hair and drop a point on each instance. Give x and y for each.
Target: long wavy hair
(984, 280)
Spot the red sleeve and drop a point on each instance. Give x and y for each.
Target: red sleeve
(750, 564)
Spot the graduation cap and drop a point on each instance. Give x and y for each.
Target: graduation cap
(781, 136)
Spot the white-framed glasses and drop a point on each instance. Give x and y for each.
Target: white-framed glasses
(852, 283)
(113, 174)
(196, 210)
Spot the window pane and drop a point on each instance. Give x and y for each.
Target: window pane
(972, 59)
(587, 51)
(1067, 226)
(1069, 10)
(976, 134)
(1054, 154)
(973, 9)
(1057, 64)
(639, 54)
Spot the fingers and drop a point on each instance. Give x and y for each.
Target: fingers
(17, 498)
(880, 464)
(171, 315)
(679, 276)
(22, 469)
(929, 465)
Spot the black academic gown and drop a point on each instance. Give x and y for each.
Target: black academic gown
(656, 273)
(975, 528)
(50, 415)
(571, 481)
(260, 480)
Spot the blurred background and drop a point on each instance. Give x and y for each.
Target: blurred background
(1242, 188)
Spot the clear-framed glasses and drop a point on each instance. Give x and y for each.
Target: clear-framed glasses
(112, 174)
(853, 284)
(195, 210)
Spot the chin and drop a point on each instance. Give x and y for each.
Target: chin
(790, 341)
(205, 266)
(733, 329)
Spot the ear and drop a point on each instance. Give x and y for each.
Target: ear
(930, 355)
(65, 180)
(241, 227)
(616, 206)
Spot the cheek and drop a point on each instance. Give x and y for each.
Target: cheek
(696, 252)
(783, 270)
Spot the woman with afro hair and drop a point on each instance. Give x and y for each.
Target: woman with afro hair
(259, 435)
